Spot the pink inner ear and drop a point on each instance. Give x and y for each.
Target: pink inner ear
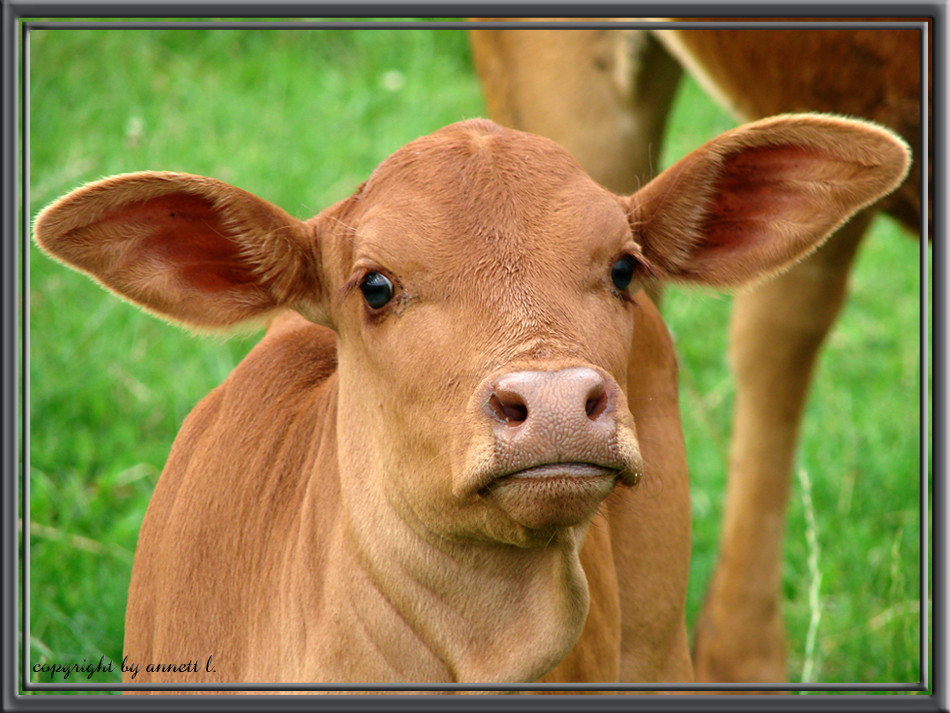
(186, 234)
(762, 185)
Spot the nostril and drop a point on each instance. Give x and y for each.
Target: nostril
(508, 407)
(549, 397)
(596, 402)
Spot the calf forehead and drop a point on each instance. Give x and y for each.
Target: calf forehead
(488, 193)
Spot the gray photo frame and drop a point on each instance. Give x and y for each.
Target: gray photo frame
(19, 18)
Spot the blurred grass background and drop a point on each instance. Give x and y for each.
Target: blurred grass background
(301, 118)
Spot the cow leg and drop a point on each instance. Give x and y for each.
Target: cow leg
(602, 94)
(776, 332)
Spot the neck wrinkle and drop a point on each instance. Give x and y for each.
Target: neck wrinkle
(488, 612)
(382, 626)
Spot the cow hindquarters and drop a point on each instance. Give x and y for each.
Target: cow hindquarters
(776, 333)
(602, 94)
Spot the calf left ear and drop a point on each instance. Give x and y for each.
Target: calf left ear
(761, 196)
(189, 248)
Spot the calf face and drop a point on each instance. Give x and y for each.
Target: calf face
(501, 282)
(483, 289)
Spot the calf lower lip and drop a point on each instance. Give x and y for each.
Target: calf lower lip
(552, 495)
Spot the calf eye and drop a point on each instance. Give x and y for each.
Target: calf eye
(622, 272)
(377, 289)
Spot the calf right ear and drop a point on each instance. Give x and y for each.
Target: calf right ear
(189, 248)
(761, 196)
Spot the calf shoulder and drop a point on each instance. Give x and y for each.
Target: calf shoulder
(229, 503)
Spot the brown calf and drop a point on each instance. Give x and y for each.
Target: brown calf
(456, 454)
(605, 95)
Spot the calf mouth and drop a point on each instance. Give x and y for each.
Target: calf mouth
(552, 494)
(569, 471)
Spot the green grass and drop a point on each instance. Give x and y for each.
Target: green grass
(300, 118)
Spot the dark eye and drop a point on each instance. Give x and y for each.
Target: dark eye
(377, 290)
(622, 272)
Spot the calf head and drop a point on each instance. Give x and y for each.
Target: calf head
(484, 290)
